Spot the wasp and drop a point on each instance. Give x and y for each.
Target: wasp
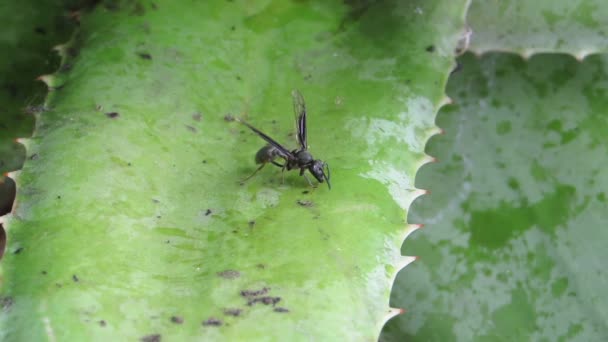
(298, 158)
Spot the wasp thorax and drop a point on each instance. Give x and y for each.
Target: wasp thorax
(303, 157)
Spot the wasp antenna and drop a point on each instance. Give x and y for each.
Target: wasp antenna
(328, 175)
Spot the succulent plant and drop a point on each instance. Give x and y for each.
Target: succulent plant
(131, 219)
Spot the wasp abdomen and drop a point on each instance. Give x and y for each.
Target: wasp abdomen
(266, 154)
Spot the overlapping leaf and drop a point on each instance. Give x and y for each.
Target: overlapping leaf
(575, 27)
(30, 29)
(514, 244)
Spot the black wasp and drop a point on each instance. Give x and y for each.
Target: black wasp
(299, 158)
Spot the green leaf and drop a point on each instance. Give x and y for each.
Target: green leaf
(514, 243)
(131, 221)
(528, 27)
(30, 29)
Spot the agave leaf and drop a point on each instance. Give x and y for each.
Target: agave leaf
(131, 221)
(30, 29)
(527, 27)
(514, 243)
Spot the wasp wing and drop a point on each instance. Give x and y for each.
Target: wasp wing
(283, 152)
(299, 109)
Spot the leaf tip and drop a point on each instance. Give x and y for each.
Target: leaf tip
(581, 55)
(46, 79)
(404, 261)
(445, 100)
(23, 141)
(392, 312)
(526, 54)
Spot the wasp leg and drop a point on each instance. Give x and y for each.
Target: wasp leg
(277, 164)
(283, 174)
(253, 174)
(308, 180)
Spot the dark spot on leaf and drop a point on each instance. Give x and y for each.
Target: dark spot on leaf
(197, 116)
(251, 224)
(513, 183)
(208, 212)
(228, 117)
(72, 52)
(75, 278)
(430, 48)
(204, 162)
(281, 310)
(18, 250)
(151, 338)
(66, 67)
(112, 115)
(191, 129)
(254, 293)
(303, 203)
(212, 322)
(238, 77)
(40, 30)
(43, 273)
(260, 266)
(266, 300)
(145, 55)
(111, 5)
(145, 27)
(177, 319)
(457, 68)
(305, 192)
(58, 196)
(35, 109)
(229, 274)
(58, 285)
(6, 303)
(232, 28)
(357, 9)
(155, 200)
(102, 323)
(138, 9)
(232, 312)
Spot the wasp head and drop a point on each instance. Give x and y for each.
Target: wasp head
(318, 168)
